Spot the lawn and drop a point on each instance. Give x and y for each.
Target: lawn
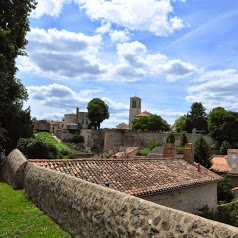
(19, 217)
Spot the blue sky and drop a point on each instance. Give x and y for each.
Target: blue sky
(169, 53)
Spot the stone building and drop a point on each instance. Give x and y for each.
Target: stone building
(78, 120)
(135, 110)
(51, 127)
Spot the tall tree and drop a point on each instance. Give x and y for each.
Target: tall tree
(180, 124)
(14, 25)
(97, 112)
(196, 118)
(202, 152)
(223, 125)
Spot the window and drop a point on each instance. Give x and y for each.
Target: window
(134, 104)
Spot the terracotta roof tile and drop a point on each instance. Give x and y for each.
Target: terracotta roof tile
(220, 164)
(135, 177)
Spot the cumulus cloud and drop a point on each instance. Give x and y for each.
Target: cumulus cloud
(136, 63)
(216, 88)
(49, 7)
(59, 96)
(119, 36)
(62, 54)
(151, 15)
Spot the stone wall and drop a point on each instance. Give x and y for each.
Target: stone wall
(12, 169)
(108, 138)
(87, 210)
(187, 199)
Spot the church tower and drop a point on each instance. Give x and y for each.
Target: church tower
(135, 109)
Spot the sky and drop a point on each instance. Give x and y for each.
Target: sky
(170, 53)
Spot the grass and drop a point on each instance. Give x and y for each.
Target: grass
(21, 218)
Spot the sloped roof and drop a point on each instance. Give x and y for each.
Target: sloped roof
(144, 114)
(232, 151)
(136, 177)
(220, 164)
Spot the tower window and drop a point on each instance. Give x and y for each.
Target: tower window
(133, 104)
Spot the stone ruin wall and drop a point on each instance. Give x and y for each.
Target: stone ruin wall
(87, 210)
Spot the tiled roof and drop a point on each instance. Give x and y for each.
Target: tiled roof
(135, 177)
(220, 164)
(232, 151)
(144, 114)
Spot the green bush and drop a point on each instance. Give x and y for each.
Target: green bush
(44, 146)
(144, 152)
(224, 147)
(228, 214)
(170, 138)
(179, 150)
(37, 149)
(152, 144)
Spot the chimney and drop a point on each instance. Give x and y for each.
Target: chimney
(169, 150)
(188, 153)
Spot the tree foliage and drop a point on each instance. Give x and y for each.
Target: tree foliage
(224, 193)
(224, 147)
(43, 145)
(183, 139)
(180, 124)
(97, 112)
(14, 25)
(223, 125)
(150, 123)
(202, 152)
(170, 138)
(196, 118)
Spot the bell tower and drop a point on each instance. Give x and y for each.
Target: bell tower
(135, 109)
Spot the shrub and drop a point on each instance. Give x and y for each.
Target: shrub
(224, 147)
(183, 139)
(144, 152)
(152, 144)
(224, 193)
(37, 149)
(179, 150)
(43, 146)
(170, 138)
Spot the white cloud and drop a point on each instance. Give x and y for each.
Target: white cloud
(216, 88)
(176, 69)
(119, 36)
(151, 15)
(104, 28)
(58, 96)
(62, 55)
(137, 63)
(115, 105)
(49, 7)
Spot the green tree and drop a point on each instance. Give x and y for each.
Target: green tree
(150, 123)
(14, 25)
(202, 152)
(170, 138)
(196, 118)
(224, 193)
(97, 112)
(180, 124)
(223, 125)
(224, 147)
(183, 139)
